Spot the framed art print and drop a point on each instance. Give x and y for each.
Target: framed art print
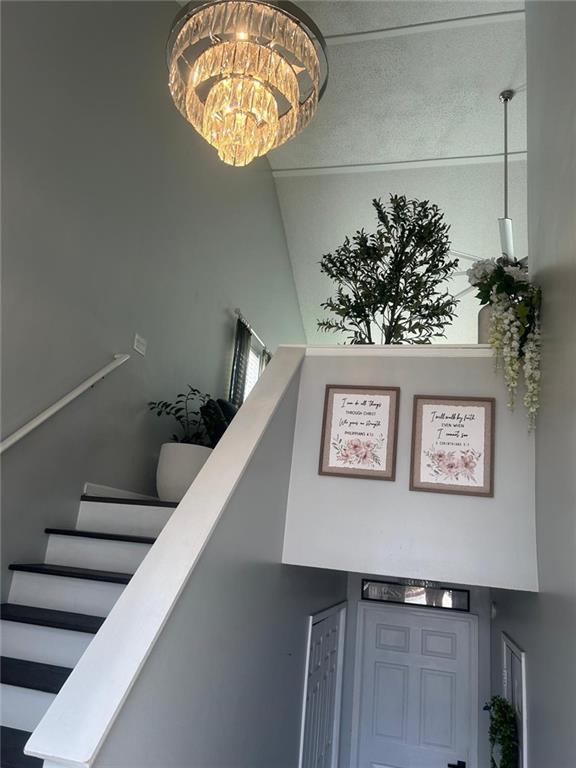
(359, 432)
(453, 445)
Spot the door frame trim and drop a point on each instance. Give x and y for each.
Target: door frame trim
(363, 607)
(312, 619)
(509, 644)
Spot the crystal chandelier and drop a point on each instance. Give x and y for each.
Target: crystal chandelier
(248, 74)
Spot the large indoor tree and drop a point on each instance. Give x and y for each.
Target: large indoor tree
(391, 285)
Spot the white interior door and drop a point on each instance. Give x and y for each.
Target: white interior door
(514, 686)
(323, 694)
(416, 701)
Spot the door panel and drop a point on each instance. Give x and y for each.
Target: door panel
(514, 681)
(437, 699)
(390, 700)
(323, 693)
(416, 692)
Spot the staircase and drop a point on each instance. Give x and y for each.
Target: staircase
(55, 608)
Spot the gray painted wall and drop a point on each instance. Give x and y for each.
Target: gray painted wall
(223, 686)
(117, 218)
(382, 527)
(545, 625)
(479, 606)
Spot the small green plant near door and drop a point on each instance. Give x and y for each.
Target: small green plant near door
(503, 733)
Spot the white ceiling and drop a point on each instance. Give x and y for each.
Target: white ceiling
(410, 111)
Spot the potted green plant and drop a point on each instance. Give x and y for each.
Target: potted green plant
(503, 734)
(391, 285)
(181, 460)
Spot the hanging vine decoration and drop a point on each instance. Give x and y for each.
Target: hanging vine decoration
(503, 733)
(515, 334)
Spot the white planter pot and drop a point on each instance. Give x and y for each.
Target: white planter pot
(484, 320)
(178, 465)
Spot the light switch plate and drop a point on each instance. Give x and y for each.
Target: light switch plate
(140, 344)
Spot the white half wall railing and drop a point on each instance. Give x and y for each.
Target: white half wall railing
(76, 725)
(64, 401)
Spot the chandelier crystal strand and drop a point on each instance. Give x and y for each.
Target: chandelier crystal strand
(246, 74)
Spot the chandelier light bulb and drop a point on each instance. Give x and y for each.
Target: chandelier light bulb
(247, 74)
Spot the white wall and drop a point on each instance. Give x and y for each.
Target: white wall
(545, 625)
(222, 687)
(320, 210)
(382, 527)
(117, 218)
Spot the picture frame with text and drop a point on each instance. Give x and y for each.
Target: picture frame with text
(453, 445)
(360, 432)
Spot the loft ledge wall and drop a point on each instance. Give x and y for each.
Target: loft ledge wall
(382, 527)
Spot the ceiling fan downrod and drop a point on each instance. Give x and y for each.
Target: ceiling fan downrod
(505, 224)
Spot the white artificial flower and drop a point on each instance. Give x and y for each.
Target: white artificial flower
(532, 374)
(480, 270)
(506, 331)
(517, 273)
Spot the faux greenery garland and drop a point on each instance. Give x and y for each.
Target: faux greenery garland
(503, 733)
(514, 326)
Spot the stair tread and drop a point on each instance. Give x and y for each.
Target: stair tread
(129, 502)
(12, 742)
(47, 617)
(101, 535)
(72, 572)
(32, 674)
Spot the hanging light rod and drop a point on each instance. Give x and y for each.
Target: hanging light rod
(506, 97)
(505, 224)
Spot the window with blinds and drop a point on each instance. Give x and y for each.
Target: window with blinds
(250, 359)
(252, 371)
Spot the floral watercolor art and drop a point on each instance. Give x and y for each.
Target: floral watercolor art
(358, 453)
(453, 465)
(359, 432)
(453, 445)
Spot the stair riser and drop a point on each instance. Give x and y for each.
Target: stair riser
(64, 594)
(23, 708)
(128, 519)
(98, 554)
(44, 644)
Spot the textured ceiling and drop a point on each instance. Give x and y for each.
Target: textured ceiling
(419, 97)
(345, 16)
(434, 94)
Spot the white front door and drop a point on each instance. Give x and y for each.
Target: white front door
(323, 690)
(416, 702)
